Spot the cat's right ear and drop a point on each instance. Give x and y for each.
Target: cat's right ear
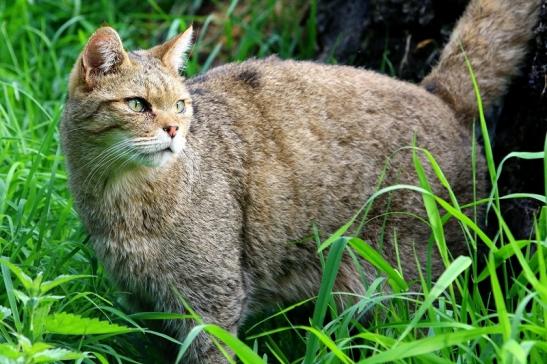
(173, 52)
(103, 54)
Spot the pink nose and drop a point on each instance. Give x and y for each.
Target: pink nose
(171, 130)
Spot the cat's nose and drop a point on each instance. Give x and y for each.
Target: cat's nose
(171, 130)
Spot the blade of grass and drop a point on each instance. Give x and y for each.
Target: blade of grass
(330, 272)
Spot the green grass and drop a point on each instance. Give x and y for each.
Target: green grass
(56, 303)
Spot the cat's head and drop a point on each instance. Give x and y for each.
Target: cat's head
(126, 109)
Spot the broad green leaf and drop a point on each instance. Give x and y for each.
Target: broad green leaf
(53, 355)
(68, 324)
(37, 347)
(9, 351)
(49, 285)
(21, 296)
(25, 280)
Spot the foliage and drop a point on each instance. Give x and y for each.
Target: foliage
(56, 302)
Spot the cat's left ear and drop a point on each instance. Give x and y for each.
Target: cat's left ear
(172, 53)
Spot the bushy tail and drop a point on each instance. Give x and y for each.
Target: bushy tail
(493, 34)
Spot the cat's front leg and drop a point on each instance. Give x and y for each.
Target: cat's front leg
(218, 297)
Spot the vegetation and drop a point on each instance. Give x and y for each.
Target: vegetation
(56, 302)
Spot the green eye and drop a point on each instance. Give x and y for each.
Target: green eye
(136, 104)
(181, 106)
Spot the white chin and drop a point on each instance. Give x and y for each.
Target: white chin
(159, 159)
(177, 145)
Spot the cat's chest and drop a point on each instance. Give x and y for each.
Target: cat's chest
(130, 259)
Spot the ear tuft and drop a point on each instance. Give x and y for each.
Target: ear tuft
(103, 53)
(172, 53)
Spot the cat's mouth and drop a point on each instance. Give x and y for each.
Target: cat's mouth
(156, 155)
(169, 149)
(158, 152)
(156, 148)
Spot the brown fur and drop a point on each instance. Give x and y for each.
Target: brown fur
(271, 147)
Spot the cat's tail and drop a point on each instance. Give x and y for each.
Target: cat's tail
(493, 35)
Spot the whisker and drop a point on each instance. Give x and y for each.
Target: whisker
(107, 167)
(107, 160)
(104, 168)
(106, 152)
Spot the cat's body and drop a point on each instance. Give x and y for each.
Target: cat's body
(269, 148)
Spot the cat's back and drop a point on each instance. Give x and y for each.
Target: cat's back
(308, 139)
(277, 82)
(304, 104)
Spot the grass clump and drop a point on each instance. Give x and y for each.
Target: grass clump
(56, 304)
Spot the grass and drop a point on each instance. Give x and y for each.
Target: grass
(56, 303)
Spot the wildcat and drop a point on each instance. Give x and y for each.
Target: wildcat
(210, 186)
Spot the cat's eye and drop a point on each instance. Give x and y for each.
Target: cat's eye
(136, 104)
(181, 106)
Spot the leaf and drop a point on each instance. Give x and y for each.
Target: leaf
(431, 209)
(325, 292)
(328, 343)
(25, 280)
(4, 312)
(243, 352)
(190, 337)
(100, 357)
(396, 281)
(9, 351)
(337, 234)
(68, 324)
(24, 342)
(449, 275)
(429, 345)
(517, 352)
(52, 355)
(37, 347)
(521, 155)
(49, 285)
(21, 296)
(8, 284)
(159, 316)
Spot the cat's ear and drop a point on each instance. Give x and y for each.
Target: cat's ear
(103, 54)
(172, 53)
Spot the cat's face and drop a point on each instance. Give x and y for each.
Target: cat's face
(127, 109)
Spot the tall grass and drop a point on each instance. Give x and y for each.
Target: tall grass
(56, 302)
